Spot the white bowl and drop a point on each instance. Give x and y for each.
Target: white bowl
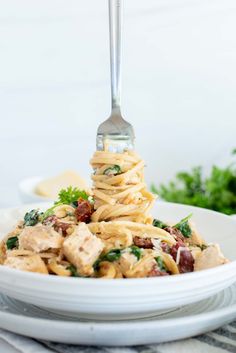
(126, 298)
(27, 192)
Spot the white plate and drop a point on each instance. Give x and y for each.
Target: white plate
(184, 322)
(129, 298)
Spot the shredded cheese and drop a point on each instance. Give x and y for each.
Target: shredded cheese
(156, 244)
(181, 248)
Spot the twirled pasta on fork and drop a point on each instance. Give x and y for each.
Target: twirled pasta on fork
(119, 188)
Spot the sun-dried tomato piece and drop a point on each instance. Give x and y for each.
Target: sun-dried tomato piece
(58, 225)
(145, 243)
(175, 232)
(83, 211)
(186, 260)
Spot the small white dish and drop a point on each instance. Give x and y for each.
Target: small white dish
(27, 192)
(126, 298)
(187, 321)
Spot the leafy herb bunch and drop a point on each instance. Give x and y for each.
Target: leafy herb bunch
(216, 191)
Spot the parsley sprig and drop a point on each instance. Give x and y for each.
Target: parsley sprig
(69, 196)
(217, 191)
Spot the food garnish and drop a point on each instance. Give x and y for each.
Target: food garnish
(217, 191)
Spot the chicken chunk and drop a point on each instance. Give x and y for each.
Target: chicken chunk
(39, 238)
(127, 262)
(82, 248)
(32, 263)
(142, 268)
(210, 257)
(131, 267)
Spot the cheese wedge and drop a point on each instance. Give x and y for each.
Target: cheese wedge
(50, 188)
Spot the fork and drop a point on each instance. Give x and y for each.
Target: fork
(115, 133)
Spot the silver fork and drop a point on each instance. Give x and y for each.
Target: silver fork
(116, 133)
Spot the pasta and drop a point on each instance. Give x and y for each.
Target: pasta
(121, 195)
(108, 233)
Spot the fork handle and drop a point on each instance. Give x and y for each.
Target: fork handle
(115, 20)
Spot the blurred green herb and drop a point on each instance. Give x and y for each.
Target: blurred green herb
(216, 191)
(202, 247)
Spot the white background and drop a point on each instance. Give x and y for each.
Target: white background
(179, 84)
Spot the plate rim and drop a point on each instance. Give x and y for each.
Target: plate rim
(147, 323)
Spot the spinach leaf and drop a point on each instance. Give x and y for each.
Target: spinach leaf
(115, 170)
(184, 227)
(159, 224)
(12, 243)
(112, 255)
(202, 247)
(135, 250)
(115, 254)
(160, 263)
(96, 264)
(73, 271)
(31, 218)
(49, 212)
